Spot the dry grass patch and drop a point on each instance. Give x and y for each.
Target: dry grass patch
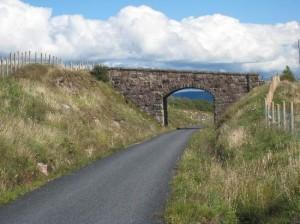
(237, 137)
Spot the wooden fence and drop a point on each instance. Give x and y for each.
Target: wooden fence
(280, 115)
(17, 60)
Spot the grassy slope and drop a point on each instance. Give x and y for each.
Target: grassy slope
(62, 119)
(184, 112)
(241, 172)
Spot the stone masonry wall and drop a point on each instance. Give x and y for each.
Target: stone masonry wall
(149, 89)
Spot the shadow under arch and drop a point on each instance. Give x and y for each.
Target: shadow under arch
(165, 101)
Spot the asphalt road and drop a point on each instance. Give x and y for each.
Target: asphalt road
(130, 187)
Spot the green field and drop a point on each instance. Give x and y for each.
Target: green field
(191, 104)
(183, 112)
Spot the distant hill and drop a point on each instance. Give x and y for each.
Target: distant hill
(195, 95)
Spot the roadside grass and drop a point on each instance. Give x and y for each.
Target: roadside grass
(239, 172)
(61, 119)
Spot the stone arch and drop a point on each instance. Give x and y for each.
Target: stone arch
(147, 87)
(176, 89)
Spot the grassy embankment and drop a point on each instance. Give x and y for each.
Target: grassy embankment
(63, 120)
(241, 171)
(184, 112)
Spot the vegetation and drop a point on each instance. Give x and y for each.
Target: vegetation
(190, 104)
(62, 120)
(288, 75)
(184, 112)
(100, 73)
(240, 172)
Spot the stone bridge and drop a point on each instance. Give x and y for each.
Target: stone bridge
(149, 88)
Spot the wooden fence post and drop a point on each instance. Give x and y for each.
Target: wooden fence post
(278, 116)
(1, 67)
(14, 62)
(25, 58)
(22, 59)
(29, 57)
(292, 117)
(10, 63)
(18, 59)
(6, 67)
(284, 115)
(273, 113)
(35, 57)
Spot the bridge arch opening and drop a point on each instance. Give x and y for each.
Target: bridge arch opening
(188, 104)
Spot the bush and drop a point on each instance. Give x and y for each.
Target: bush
(287, 74)
(100, 73)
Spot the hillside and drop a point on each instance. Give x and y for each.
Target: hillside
(241, 171)
(184, 112)
(55, 121)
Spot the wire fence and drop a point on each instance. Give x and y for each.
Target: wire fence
(282, 116)
(11, 63)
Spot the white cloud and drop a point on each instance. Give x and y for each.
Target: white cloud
(145, 37)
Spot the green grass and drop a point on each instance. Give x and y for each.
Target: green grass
(184, 112)
(239, 172)
(191, 104)
(62, 119)
(65, 120)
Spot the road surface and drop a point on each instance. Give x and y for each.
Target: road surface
(129, 187)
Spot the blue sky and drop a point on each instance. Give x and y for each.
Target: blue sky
(248, 11)
(213, 35)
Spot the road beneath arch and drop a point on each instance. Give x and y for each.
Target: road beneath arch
(130, 187)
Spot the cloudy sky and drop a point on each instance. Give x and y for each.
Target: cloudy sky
(222, 35)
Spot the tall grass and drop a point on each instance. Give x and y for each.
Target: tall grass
(241, 172)
(62, 119)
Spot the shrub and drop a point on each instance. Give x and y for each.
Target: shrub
(287, 74)
(100, 73)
